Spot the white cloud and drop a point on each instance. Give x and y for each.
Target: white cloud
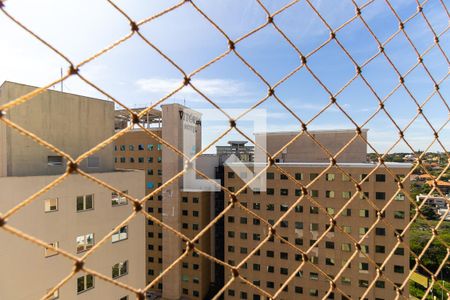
(215, 87)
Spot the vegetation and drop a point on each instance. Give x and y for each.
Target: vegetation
(420, 234)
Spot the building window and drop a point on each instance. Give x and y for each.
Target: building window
(120, 235)
(364, 213)
(230, 174)
(314, 226)
(85, 202)
(380, 177)
(93, 162)
(329, 245)
(123, 160)
(399, 251)
(120, 269)
(347, 229)
(140, 147)
(380, 195)
(51, 205)
(346, 281)
(363, 230)
(362, 176)
(54, 160)
(329, 261)
(140, 160)
(363, 266)
(284, 192)
(399, 269)
(314, 292)
(270, 175)
(85, 242)
(329, 177)
(313, 210)
(131, 147)
(346, 247)
(364, 195)
(346, 177)
(312, 176)
(363, 283)
(298, 225)
(329, 194)
(330, 211)
(380, 249)
(314, 193)
(284, 207)
(400, 197)
(379, 284)
(122, 147)
(298, 176)
(314, 276)
(50, 252)
(150, 147)
(347, 212)
(85, 283)
(380, 231)
(159, 147)
(399, 214)
(283, 177)
(117, 199)
(346, 195)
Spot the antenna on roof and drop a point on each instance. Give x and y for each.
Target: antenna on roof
(62, 81)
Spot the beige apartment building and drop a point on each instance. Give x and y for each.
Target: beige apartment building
(186, 211)
(276, 261)
(75, 214)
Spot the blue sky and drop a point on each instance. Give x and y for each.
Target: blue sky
(138, 76)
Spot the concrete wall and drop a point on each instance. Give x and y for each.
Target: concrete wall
(180, 129)
(304, 149)
(70, 122)
(29, 274)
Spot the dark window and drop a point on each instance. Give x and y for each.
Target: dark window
(380, 177)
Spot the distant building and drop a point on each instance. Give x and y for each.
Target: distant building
(75, 214)
(443, 186)
(434, 201)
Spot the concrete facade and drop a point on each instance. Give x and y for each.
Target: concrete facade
(305, 149)
(69, 122)
(276, 261)
(73, 215)
(31, 274)
(187, 212)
